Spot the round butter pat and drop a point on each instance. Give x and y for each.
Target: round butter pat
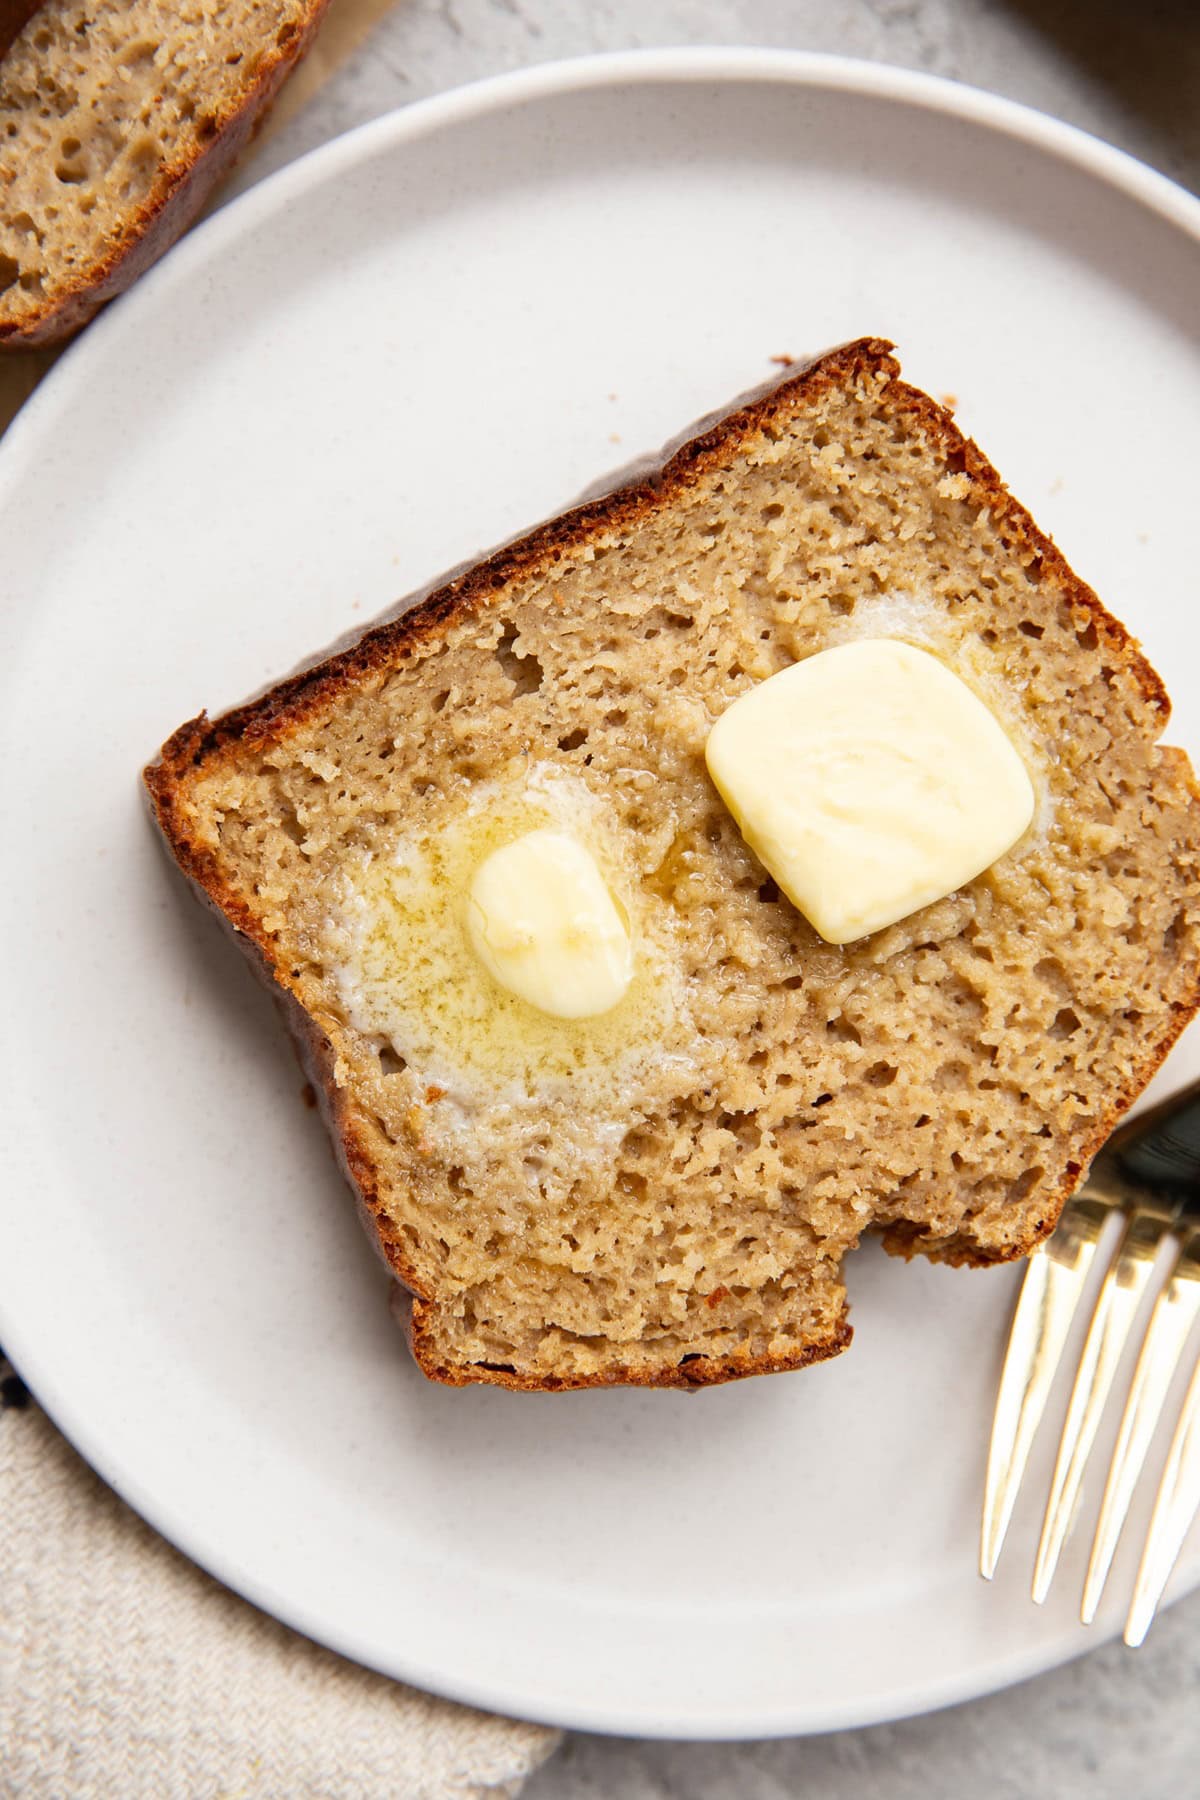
(870, 781)
(542, 921)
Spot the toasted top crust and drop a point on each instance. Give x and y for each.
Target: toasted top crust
(682, 1219)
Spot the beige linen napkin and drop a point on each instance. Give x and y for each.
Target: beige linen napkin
(127, 1674)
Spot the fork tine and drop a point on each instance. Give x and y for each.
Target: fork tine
(1120, 1296)
(1174, 1510)
(1175, 1312)
(1054, 1280)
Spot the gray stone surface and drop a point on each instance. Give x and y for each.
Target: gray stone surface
(1128, 72)
(1113, 1724)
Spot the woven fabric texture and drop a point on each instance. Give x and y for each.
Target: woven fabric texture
(126, 1673)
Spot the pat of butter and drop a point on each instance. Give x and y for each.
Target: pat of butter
(542, 921)
(870, 781)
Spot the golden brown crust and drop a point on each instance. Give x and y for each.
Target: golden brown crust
(691, 1372)
(271, 715)
(14, 16)
(290, 702)
(180, 192)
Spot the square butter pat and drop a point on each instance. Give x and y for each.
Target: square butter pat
(870, 781)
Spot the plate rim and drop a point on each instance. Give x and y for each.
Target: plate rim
(425, 117)
(400, 129)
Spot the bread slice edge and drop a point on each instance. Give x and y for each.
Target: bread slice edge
(471, 592)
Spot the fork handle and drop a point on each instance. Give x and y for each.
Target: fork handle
(1160, 1150)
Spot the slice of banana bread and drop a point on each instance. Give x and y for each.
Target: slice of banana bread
(120, 120)
(664, 1195)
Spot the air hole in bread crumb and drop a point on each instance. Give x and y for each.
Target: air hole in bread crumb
(841, 1029)
(743, 1127)
(881, 1074)
(1022, 1187)
(289, 823)
(1051, 973)
(1088, 638)
(773, 511)
(574, 739)
(440, 699)
(10, 270)
(525, 672)
(1066, 1023)
(768, 892)
(390, 1061)
(1031, 630)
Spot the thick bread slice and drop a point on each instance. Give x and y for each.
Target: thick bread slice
(119, 121)
(664, 1196)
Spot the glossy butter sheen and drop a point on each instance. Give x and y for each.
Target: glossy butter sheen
(870, 781)
(542, 921)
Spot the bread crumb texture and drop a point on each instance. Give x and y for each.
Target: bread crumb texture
(104, 110)
(667, 1194)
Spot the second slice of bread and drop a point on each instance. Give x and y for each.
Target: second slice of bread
(120, 120)
(665, 1195)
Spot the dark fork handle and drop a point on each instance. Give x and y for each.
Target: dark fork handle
(1159, 1152)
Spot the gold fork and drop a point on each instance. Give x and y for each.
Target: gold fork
(1139, 1204)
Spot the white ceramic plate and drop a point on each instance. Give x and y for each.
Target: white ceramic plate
(393, 354)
